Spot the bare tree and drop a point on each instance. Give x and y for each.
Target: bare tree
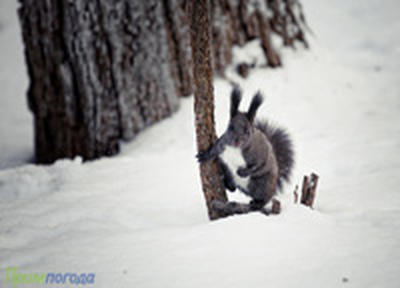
(213, 187)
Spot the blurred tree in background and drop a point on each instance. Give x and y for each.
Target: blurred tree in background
(101, 71)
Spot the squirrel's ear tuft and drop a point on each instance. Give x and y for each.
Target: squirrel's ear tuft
(255, 103)
(236, 97)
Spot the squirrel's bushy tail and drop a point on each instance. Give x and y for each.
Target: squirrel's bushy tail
(283, 148)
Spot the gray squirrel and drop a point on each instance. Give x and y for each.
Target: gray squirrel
(264, 153)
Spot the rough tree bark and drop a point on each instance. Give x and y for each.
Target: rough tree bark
(177, 26)
(213, 187)
(100, 71)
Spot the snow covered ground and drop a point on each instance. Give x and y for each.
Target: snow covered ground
(139, 219)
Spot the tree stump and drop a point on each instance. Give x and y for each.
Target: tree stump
(308, 190)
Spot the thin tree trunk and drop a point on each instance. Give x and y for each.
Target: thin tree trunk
(273, 58)
(213, 187)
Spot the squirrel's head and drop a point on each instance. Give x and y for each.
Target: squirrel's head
(241, 126)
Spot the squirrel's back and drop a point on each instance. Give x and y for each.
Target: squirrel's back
(282, 146)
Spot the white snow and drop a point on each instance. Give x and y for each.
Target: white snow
(233, 158)
(139, 219)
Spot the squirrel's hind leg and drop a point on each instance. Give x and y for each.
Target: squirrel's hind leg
(227, 176)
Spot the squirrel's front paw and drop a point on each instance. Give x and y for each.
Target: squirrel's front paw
(200, 157)
(203, 156)
(242, 172)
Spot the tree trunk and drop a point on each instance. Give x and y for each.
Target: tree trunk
(177, 25)
(100, 71)
(213, 187)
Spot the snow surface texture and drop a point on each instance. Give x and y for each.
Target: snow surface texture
(139, 219)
